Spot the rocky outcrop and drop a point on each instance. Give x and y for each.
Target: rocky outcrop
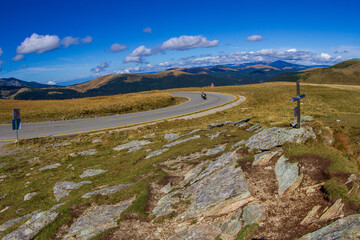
(131, 145)
(8, 224)
(254, 127)
(272, 137)
(181, 141)
(164, 205)
(97, 221)
(288, 175)
(106, 191)
(218, 190)
(201, 231)
(157, 153)
(215, 150)
(53, 166)
(171, 137)
(213, 125)
(91, 173)
(238, 144)
(253, 214)
(215, 135)
(193, 173)
(344, 228)
(30, 228)
(62, 189)
(84, 153)
(264, 157)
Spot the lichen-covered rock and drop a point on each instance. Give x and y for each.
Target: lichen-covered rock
(84, 153)
(164, 205)
(264, 157)
(106, 191)
(52, 166)
(30, 228)
(220, 162)
(253, 214)
(91, 172)
(97, 221)
(215, 150)
(193, 173)
(131, 145)
(28, 196)
(202, 231)
(232, 227)
(237, 144)
(157, 153)
(62, 189)
(219, 191)
(344, 228)
(276, 136)
(171, 137)
(288, 175)
(181, 141)
(9, 223)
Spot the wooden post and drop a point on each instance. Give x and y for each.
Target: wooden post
(298, 104)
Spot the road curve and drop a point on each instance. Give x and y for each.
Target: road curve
(43, 129)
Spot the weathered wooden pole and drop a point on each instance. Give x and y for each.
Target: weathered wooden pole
(298, 104)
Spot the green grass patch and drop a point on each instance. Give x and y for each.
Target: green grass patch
(247, 231)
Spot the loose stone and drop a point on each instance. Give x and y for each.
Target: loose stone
(52, 166)
(157, 153)
(287, 175)
(28, 196)
(215, 150)
(171, 137)
(84, 153)
(131, 145)
(91, 172)
(181, 141)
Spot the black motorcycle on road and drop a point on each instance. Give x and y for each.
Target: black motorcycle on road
(203, 95)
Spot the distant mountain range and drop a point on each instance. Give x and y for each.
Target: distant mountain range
(347, 72)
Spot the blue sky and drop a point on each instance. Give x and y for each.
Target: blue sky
(56, 41)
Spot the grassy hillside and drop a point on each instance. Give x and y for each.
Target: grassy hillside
(335, 111)
(347, 72)
(45, 110)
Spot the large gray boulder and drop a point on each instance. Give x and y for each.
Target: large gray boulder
(218, 191)
(97, 221)
(276, 136)
(30, 228)
(344, 228)
(288, 175)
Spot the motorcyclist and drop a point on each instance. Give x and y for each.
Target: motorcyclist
(203, 95)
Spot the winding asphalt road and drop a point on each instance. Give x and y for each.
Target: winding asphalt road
(195, 104)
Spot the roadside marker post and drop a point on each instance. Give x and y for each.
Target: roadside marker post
(16, 122)
(297, 109)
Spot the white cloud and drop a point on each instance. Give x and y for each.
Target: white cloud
(292, 50)
(147, 30)
(101, 67)
(38, 44)
(18, 57)
(138, 54)
(266, 51)
(87, 39)
(254, 38)
(325, 56)
(51, 83)
(67, 41)
(1, 52)
(117, 47)
(187, 42)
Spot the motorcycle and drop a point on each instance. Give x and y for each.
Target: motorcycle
(203, 95)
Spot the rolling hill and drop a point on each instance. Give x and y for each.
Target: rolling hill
(347, 73)
(231, 74)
